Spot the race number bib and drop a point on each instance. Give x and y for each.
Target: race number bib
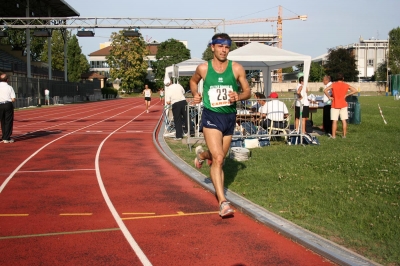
(219, 95)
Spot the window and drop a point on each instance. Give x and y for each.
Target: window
(370, 62)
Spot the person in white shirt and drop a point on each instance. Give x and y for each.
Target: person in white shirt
(302, 99)
(7, 97)
(175, 96)
(46, 96)
(275, 111)
(147, 97)
(326, 115)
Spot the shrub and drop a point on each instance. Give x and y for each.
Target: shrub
(109, 91)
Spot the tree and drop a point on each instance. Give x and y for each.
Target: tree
(208, 54)
(394, 51)
(17, 39)
(170, 52)
(287, 70)
(127, 60)
(77, 62)
(57, 49)
(317, 72)
(381, 72)
(341, 61)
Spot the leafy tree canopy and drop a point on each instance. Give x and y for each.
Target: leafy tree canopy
(287, 70)
(57, 49)
(394, 51)
(77, 62)
(170, 52)
(128, 61)
(17, 39)
(341, 61)
(317, 72)
(381, 72)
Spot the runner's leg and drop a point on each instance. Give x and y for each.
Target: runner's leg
(216, 144)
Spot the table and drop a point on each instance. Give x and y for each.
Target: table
(314, 109)
(255, 118)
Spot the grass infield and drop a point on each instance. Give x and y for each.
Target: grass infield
(346, 190)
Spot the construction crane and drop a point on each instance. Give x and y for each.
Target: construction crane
(278, 20)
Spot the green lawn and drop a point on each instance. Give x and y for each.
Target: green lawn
(346, 190)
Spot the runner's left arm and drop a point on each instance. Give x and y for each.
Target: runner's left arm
(240, 74)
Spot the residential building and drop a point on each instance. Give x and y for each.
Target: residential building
(368, 54)
(98, 59)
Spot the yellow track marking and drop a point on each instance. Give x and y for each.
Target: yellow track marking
(61, 233)
(169, 215)
(138, 213)
(13, 215)
(75, 214)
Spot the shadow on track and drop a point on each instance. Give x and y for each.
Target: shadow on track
(37, 134)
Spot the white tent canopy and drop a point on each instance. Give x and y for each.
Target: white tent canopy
(185, 68)
(258, 56)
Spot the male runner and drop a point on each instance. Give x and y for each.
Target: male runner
(220, 94)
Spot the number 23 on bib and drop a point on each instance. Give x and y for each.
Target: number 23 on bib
(219, 95)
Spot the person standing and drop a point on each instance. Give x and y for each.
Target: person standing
(326, 114)
(302, 100)
(339, 90)
(46, 96)
(7, 97)
(175, 96)
(147, 97)
(220, 94)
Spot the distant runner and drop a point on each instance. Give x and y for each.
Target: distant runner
(162, 95)
(220, 94)
(147, 97)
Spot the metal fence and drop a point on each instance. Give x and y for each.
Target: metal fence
(30, 91)
(245, 118)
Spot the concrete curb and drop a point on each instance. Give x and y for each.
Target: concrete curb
(316, 243)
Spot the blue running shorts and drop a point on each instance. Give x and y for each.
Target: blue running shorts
(223, 122)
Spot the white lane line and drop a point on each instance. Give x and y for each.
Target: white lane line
(44, 146)
(95, 131)
(65, 170)
(139, 252)
(56, 118)
(134, 131)
(42, 129)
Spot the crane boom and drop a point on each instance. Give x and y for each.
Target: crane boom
(258, 20)
(278, 21)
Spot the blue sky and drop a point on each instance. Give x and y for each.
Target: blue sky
(329, 23)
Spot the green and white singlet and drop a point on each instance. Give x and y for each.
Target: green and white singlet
(216, 88)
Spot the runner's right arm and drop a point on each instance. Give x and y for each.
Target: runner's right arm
(194, 81)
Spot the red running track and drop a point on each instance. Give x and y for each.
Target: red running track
(84, 185)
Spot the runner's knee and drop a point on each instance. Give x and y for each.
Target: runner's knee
(218, 159)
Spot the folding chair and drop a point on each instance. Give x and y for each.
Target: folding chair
(284, 130)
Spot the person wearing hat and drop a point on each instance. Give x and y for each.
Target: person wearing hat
(274, 110)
